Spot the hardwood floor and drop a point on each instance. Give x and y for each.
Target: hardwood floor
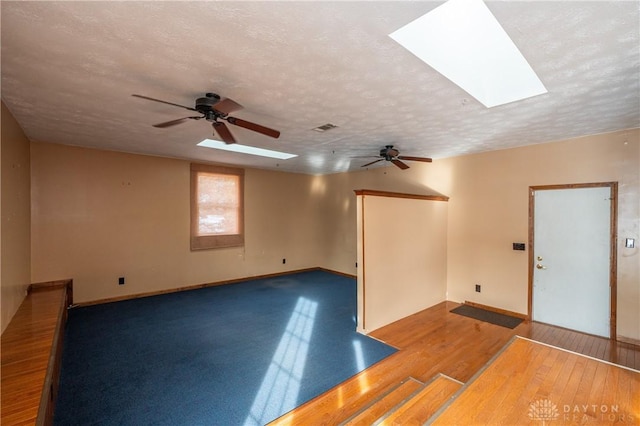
(399, 395)
(431, 343)
(421, 407)
(436, 341)
(534, 381)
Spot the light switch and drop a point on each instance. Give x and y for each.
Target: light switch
(630, 243)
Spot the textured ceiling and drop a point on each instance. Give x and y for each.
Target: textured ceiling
(69, 69)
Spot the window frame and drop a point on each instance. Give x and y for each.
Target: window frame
(206, 242)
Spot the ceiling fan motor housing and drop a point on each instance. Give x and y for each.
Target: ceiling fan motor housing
(204, 105)
(388, 152)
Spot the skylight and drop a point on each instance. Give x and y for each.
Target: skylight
(245, 149)
(462, 40)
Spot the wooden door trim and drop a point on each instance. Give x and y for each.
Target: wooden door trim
(363, 267)
(613, 242)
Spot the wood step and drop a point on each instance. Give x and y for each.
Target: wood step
(424, 404)
(386, 403)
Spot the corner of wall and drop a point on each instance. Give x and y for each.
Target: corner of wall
(15, 210)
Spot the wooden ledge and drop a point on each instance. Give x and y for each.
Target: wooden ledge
(67, 284)
(31, 354)
(400, 195)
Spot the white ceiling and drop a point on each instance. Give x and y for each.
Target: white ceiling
(69, 69)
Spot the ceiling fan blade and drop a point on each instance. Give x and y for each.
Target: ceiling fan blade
(227, 106)
(423, 159)
(253, 126)
(400, 164)
(164, 102)
(373, 162)
(174, 122)
(223, 132)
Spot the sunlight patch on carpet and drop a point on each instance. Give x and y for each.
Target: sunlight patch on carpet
(281, 384)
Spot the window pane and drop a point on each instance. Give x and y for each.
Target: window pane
(217, 207)
(218, 204)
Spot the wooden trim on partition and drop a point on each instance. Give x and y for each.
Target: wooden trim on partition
(613, 237)
(204, 285)
(376, 193)
(497, 310)
(363, 274)
(400, 195)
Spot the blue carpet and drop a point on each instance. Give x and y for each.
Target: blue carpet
(240, 354)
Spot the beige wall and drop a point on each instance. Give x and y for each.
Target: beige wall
(402, 253)
(99, 215)
(488, 210)
(15, 258)
(339, 207)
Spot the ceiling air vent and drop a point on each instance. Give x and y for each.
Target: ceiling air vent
(324, 127)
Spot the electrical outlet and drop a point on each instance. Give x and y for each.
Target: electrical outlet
(284, 261)
(121, 281)
(478, 288)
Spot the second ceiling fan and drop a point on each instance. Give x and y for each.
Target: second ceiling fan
(214, 109)
(389, 153)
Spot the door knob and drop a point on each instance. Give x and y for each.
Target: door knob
(540, 266)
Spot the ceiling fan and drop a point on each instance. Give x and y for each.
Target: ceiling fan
(214, 108)
(389, 153)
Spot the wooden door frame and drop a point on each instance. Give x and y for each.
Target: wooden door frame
(613, 241)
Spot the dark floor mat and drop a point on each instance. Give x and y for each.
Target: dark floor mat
(487, 316)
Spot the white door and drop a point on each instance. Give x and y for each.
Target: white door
(572, 259)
